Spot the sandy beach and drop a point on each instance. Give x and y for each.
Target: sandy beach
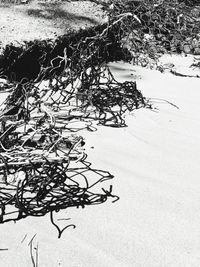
(155, 161)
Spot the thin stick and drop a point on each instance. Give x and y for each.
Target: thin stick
(24, 238)
(32, 239)
(57, 227)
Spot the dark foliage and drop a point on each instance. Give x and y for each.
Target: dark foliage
(40, 59)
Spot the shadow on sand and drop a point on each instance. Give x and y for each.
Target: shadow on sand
(54, 11)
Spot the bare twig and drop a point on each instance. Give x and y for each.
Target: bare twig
(60, 231)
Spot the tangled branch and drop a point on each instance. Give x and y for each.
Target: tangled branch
(43, 166)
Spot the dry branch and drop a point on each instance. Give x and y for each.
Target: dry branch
(43, 167)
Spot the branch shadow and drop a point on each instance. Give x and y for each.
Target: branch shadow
(54, 11)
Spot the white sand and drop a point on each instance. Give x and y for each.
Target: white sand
(45, 19)
(155, 160)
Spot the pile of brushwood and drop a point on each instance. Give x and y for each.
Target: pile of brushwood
(154, 27)
(56, 89)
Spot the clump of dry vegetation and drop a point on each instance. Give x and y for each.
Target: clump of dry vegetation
(153, 28)
(43, 167)
(57, 88)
